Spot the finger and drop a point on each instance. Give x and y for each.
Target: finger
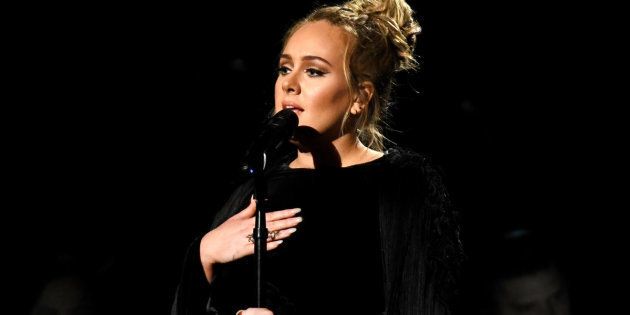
(282, 214)
(249, 211)
(249, 248)
(282, 234)
(254, 311)
(273, 245)
(283, 224)
(273, 235)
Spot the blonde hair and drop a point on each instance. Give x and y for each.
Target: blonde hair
(383, 36)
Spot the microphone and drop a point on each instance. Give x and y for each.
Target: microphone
(276, 131)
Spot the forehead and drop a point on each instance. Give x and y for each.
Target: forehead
(317, 39)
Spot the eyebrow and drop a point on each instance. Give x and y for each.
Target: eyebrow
(308, 57)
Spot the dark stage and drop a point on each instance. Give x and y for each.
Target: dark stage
(132, 122)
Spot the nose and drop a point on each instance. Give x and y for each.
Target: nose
(290, 85)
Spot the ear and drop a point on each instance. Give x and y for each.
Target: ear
(362, 97)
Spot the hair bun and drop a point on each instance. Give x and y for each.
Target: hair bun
(395, 18)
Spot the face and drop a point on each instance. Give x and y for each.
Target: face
(311, 78)
(540, 293)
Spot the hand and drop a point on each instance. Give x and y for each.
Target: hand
(255, 311)
(229, 241)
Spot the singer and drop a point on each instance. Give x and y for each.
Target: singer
(354, 227)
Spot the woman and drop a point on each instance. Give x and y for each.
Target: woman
(356, 228)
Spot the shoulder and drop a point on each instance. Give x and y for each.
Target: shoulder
(410, 172)
(404, 160)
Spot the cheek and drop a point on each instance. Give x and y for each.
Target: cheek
(329, 97)
(277, 95)
(328, 106)
(334, 102)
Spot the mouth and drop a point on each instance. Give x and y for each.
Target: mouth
(292, 106)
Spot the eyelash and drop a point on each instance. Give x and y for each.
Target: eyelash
(311, 72)
(283, 70)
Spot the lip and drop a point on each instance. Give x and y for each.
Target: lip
(295, 107)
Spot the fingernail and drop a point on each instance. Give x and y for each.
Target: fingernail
(296, 210)
(291, 230)
(298, 219)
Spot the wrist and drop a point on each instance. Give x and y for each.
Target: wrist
(207, 263)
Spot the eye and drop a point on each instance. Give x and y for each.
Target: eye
(283, 70)
(312, 72)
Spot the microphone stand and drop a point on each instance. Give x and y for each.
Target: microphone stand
(278, 129)
(260, 232)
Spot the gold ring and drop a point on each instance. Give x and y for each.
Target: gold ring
(272, 236)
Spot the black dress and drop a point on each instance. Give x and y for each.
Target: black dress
(363, 247)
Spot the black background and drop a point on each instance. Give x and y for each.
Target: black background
(130, 122)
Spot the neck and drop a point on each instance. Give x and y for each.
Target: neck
(344, 151)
